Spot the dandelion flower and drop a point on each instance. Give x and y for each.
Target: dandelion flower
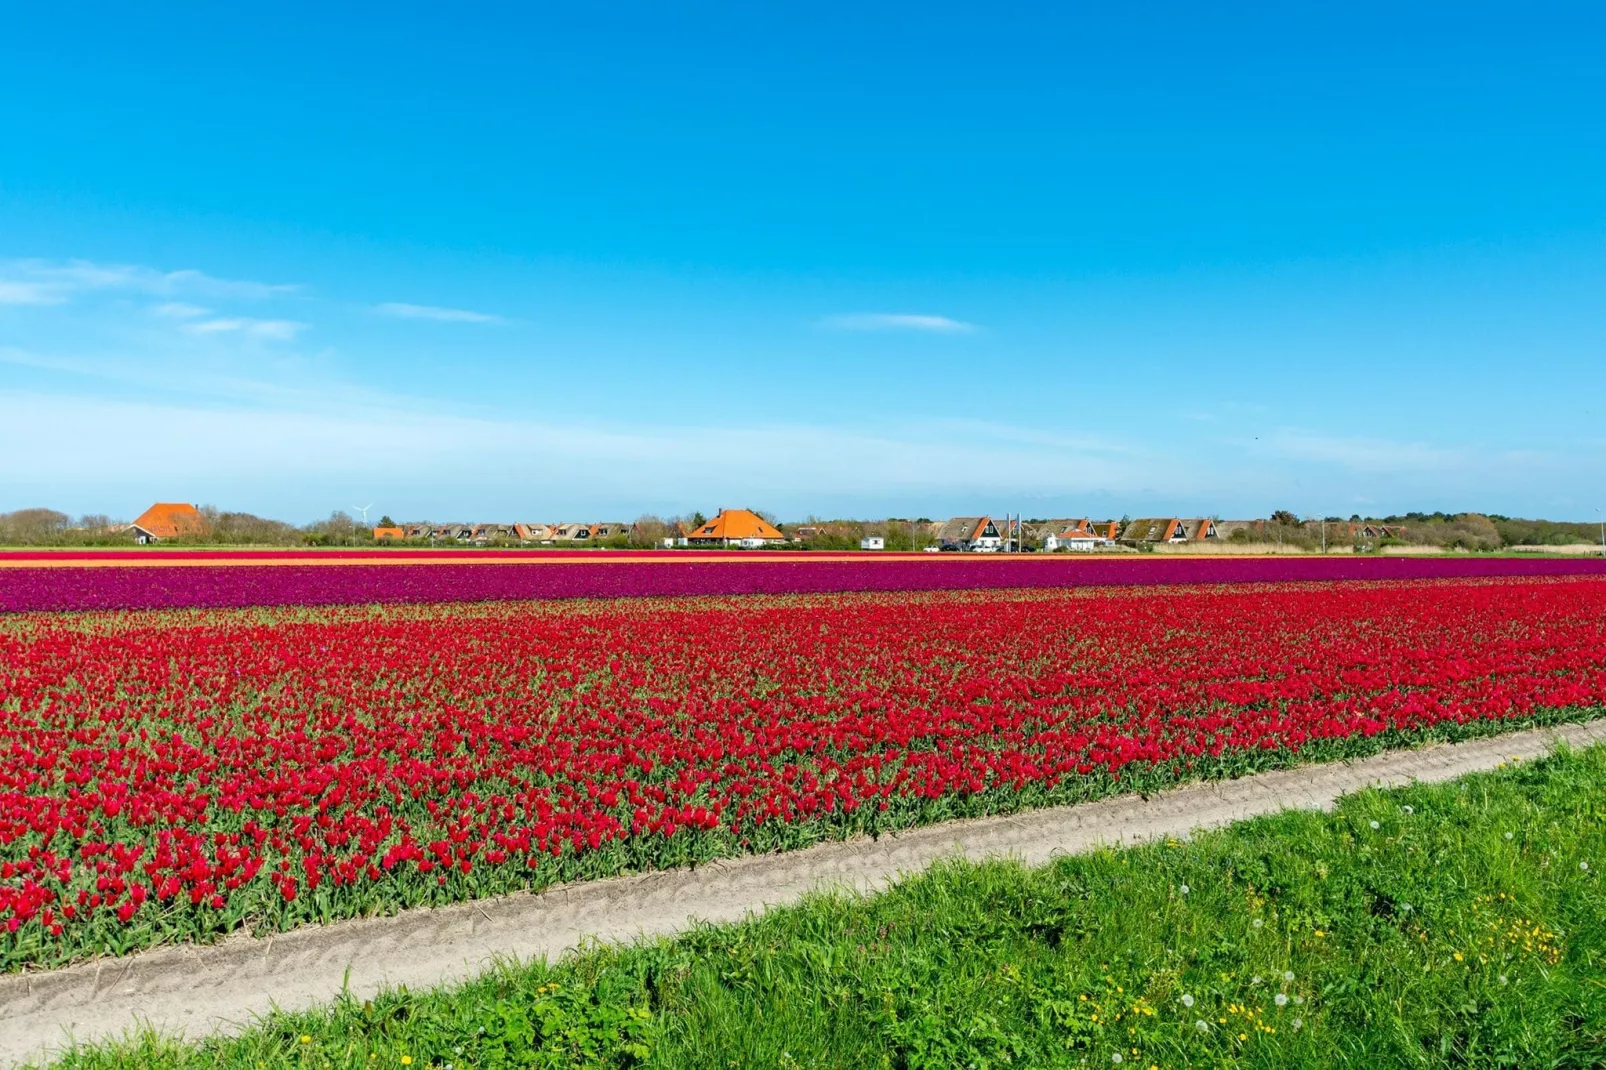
(305, 1039)
(1187, 1000)
(407, 1060)
(1281, 999)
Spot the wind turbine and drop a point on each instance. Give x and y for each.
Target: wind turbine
(363, 509)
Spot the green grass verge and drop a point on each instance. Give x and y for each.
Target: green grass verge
(1461, 924)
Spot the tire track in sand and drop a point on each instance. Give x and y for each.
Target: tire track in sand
(195, 990)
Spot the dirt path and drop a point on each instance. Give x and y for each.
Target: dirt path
(197, 990)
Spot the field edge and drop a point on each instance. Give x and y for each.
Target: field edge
(177, 989)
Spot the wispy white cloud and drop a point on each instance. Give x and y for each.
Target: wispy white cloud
(202, 283)
(271, 330)
(897, 321)
(255, 449)
(29, 293)
(178, 310)
(54, 282)
(402, 310)
(1364, 454)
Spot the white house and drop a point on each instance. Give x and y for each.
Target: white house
(872, 542)
(1079, 543)
(1081, 536)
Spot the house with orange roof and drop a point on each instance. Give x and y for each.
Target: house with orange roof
(973, 533)
(1171, 529)
(1081, 535)
(168, 520)
(389, 532)
(571, 533)
(736, 527)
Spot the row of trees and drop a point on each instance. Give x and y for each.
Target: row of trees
(1466, 531)
(50, 527)
(44, 527)
(1450, 531)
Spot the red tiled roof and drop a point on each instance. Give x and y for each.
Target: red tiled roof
(169, 520)
(736, 524)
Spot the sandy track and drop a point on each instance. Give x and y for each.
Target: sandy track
(197, 990)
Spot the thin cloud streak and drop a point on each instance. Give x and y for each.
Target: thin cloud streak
(898, 321)
(28, 293)
(523, 463)
(1370, 455)
(57, 282)
(402, 310)
(271, 330)
(178, 310)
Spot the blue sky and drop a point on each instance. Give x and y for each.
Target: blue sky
(533, 263)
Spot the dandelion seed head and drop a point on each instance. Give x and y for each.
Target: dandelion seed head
(1257, 923)
(1288, 975)
(1281, 999)
(1185, 889)
(1508, 835)
(1375, 825)
(1298, 1023)
(1408, 808)
(1187, 1000)
(1202, 1025)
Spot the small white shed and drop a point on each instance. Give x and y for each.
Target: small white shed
(872, 542)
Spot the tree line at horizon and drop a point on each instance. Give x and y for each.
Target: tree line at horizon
(1466, 531)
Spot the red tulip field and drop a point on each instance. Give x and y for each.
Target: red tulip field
(176, 774)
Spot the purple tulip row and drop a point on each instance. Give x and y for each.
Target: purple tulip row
(204, 586)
